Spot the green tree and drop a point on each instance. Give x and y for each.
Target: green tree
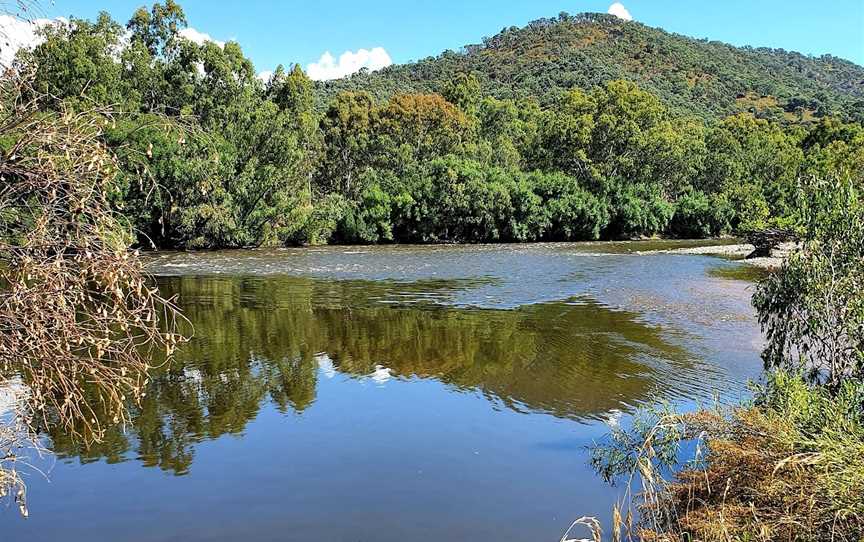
(156, 28)
(464, 92)
(348, 141)
(812, 310)
(76, 63)
(755, 162)
(426, 125)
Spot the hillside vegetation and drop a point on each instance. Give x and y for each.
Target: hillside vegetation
(498, 154)
(704, 78)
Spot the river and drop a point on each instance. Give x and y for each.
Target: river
(398, 393)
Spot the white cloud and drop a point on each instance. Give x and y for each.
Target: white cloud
(198, 37)
(325, 364)
(16, 34)
(617, 9)
(381, 375)
(265, 76)
(349, 62)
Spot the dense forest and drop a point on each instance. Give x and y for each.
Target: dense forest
(563, 130)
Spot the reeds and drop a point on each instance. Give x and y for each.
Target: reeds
(790, 467)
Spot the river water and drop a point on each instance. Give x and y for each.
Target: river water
(398, 393)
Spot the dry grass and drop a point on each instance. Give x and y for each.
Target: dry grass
(759, 486)
(790, 468)
(589, 524)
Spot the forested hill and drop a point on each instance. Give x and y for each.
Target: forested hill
(706, 78)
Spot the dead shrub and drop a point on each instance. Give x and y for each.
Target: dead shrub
(790, 467)
(79, 321)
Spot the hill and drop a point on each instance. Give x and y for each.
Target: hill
(705, 78)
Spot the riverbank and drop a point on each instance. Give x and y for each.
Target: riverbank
(789, 464)
(739, 251)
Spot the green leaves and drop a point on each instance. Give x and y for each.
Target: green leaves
(812, 310)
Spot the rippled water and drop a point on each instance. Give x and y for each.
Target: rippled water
(393, 393)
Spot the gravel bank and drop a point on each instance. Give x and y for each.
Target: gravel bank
(738, 252)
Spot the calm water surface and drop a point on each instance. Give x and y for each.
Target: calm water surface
(398, 393)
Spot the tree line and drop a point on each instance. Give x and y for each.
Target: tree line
(229, 160)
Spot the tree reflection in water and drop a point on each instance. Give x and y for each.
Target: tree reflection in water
(263, 338)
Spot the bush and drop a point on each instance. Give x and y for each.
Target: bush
(788, 467)
(318, 223)
(698, 215)
(812, 311)
(458, 200)
(639, 210)
(528, 220)
(572, 213)
(367, 221)
(751, 207)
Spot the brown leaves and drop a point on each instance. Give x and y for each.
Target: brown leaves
(753, 486)
(78, 323)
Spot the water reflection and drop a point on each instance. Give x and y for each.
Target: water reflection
(261, 340)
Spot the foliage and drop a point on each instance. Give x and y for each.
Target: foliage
(640, 210)
(812, 311)
(698, 215)
(368, 221)
(583, 144)
(788, 467)
(571, 212)
(237, 180)
(710, 80)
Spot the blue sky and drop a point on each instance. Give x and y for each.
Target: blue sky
(273, 32)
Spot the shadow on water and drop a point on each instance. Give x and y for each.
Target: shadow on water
(270, 339)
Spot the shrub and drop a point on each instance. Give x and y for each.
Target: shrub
(368, 221)
(788, 467)
(639, 210)
(572, 213)
(698, 215)
(317, 223)
(812, 311)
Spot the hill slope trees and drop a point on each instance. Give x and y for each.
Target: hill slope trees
(690, 76)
